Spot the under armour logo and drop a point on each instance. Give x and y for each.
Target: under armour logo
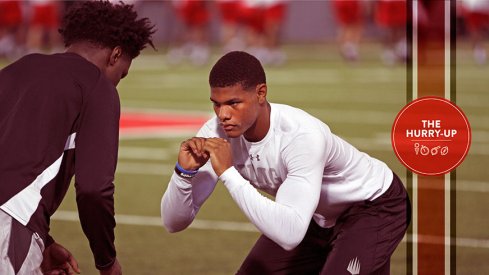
(257, 157)
(354, 267)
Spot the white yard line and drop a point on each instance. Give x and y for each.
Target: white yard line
(368, 117)
(153, 169)
(150, 169)
(128, 153)
(144, 153)
(63, 215)
(158, 134)
(161, 111)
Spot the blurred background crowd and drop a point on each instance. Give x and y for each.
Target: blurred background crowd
(191, 30)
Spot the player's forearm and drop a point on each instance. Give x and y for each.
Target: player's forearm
(177, 207)
(96, 211)
(284, 224)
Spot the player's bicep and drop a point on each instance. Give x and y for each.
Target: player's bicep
(303, 198)
(304, 160)
(97, 139)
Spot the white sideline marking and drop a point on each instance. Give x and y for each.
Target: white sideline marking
(161, 133)
(138, 168)
(143, 153)
(152, 169)
(479, 145)
(160, 111)
(62, 215)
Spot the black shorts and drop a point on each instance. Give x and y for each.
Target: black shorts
(361, 242)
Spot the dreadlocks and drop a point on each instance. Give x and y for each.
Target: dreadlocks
(108, 25)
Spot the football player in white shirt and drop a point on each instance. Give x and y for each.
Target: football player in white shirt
(336, 209)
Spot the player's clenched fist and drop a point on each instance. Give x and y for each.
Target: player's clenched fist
(192, 155)
(220, 153)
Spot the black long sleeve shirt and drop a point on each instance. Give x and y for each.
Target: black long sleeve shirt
(59, 117)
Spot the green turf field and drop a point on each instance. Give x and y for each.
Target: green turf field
(358, 101)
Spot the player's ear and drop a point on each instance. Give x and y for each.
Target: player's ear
(261, 93)
(115, 55)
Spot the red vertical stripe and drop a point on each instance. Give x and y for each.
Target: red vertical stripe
(431, 190)
(431, 223)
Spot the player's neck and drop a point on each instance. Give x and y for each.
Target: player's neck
(91, 52)
(261, 127)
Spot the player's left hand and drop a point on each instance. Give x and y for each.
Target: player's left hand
(220, 153)
(58, 260)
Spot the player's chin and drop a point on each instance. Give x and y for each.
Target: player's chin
(233, 133)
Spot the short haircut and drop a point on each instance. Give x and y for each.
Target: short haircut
(108, 25)
(237, 68)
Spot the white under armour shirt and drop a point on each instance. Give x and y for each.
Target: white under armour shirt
(311, 172)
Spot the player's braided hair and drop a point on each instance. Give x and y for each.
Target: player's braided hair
(108, 25)
(237, 68)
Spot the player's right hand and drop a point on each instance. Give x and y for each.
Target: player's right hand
(58, 260)
(192, 155)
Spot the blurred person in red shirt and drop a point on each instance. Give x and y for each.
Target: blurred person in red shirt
(194, 15)
(44, 24)
(476, 14)
(349, 17)
(263, 21)
(10, 28)
(391, 16)
(231, 21)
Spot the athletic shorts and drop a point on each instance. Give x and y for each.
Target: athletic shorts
(20, 248)
(361, 242)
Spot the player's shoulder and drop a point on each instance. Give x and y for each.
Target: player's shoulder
(298, 131)
(26, 63)
(64, 66)
(68, 70)
(86, 75)
(293, 121)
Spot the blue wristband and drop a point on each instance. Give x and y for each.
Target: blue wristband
(185, 173)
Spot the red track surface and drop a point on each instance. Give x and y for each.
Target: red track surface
(144, 123)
